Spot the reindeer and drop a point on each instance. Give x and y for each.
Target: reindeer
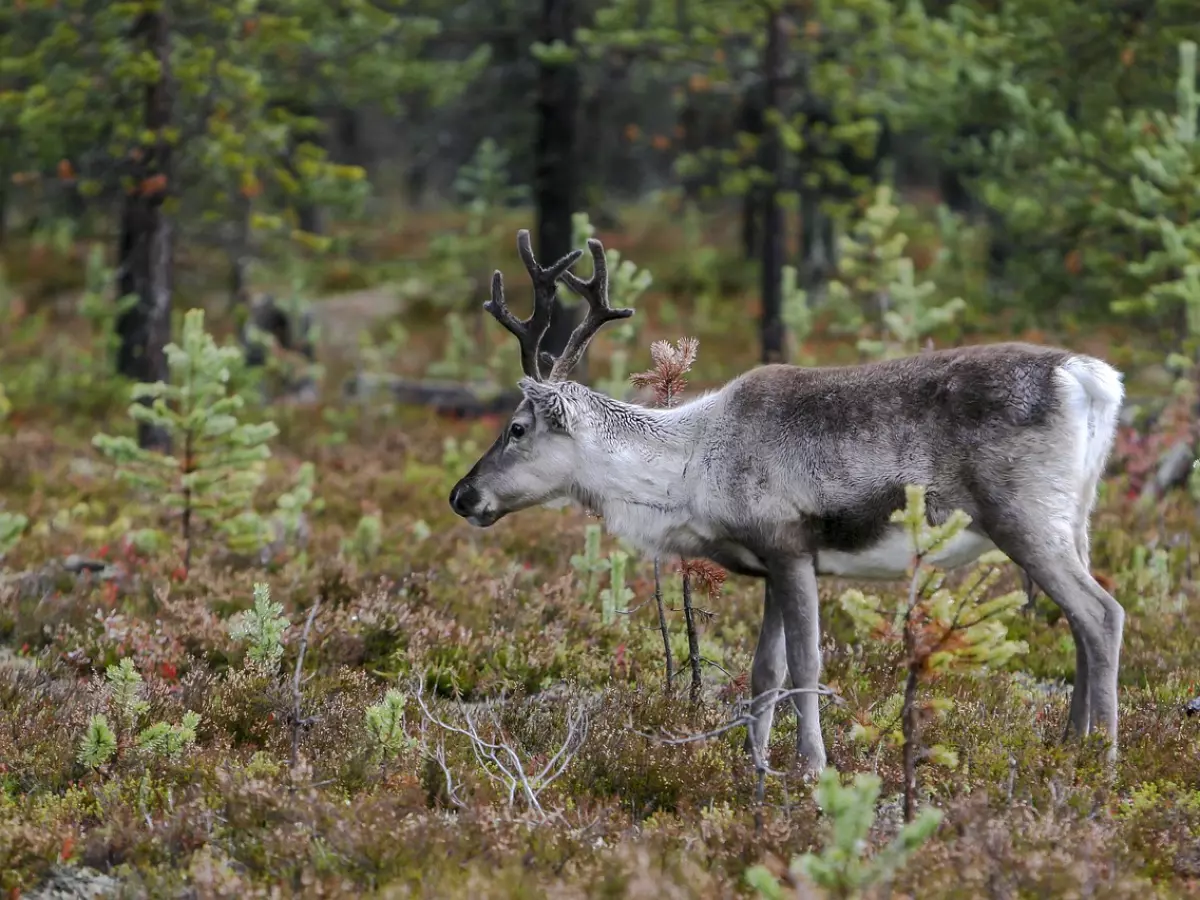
(787, 473)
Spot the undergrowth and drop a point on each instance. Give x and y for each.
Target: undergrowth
(387, 702)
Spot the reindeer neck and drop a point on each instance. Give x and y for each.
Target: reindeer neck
(635, 468)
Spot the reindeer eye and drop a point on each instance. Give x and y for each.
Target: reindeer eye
(516, 430)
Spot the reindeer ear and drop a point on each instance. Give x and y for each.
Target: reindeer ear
(549, 405)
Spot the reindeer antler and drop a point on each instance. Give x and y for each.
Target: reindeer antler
(595, 292)
(529, 332)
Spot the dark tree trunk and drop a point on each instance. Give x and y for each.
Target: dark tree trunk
(308, 214)
(818, 240)
(555, 183)
(693, 639)
(750, 120)
(146, 243)
(772, 221)
(239, 265)
(349, 137)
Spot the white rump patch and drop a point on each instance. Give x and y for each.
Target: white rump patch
(889, 559)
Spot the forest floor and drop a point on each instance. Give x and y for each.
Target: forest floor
(499, 628)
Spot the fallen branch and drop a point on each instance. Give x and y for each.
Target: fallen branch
(501, 762)
(746, 718)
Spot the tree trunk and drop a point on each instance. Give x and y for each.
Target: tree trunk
(146, 253)
(750, 121)
(308, 214)
(239, 264)
(689, 616)
(351, 150)
(772, 221)
(555, 183)
(910, 729)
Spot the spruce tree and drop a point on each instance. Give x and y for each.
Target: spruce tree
(219, 466)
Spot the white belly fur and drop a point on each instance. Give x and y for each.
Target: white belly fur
(889, 559)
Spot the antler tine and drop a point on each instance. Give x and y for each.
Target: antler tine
(595, 292)
(529, 332)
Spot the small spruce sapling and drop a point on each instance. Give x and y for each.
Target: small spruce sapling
(615, 598)
(591, 563)
(385, 727)
(12, 526)
(366, 541)
(220, 466)
(841, 868)
(937, 630)
(100, 743)
(263, 627)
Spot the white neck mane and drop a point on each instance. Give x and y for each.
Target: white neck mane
(635, 471)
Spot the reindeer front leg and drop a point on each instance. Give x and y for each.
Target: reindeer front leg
(793, 587)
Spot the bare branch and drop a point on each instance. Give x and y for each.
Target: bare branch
(662, 623)
(746, 718)
(501, 762)
(298, 721)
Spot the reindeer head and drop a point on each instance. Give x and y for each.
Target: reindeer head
(535, 458)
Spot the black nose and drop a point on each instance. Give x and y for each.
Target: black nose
(464, 499)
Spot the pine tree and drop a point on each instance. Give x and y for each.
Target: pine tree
(811, 81)
(101, 743)
(385, 726)
(220, 465)
(841, 867)
(262, 627)
(199, 116)
(876, 283)
(1063, 146)
(933, 630)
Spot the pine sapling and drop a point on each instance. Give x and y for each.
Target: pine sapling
(796, 312)
(366, 541)
(841, 868)
(385, 727)
(876, 278)
(169, 741)
(627, 283)
(262, 626)
(100, 743)
(591, 563)
(220, 468)
(615, 598)
(937, 630)
(12, 526)
(290, 522)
